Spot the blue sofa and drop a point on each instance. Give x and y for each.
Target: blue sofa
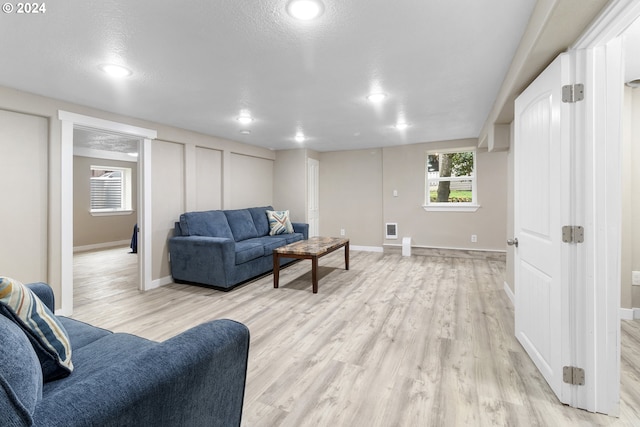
(196, 378)
(223, 248)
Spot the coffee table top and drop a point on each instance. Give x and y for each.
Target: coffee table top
(313, 246)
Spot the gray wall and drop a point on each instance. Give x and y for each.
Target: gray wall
(630, 253)
(404, 171)
(290, 183)
(351, 195)
(94, 230)
(356, 194)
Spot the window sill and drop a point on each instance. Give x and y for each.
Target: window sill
(111, 213)
(451, 207)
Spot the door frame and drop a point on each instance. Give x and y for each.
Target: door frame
(313, 192)
(598, 205)
(68, 121)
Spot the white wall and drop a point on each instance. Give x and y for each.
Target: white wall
(23, 190)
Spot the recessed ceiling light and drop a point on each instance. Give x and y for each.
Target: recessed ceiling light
(245, 132)
(305, 10)
(376, 97)
(244, 119)
(402, 125)
(300, 137)
(115, 70)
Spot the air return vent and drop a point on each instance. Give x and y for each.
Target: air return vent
(392, 230)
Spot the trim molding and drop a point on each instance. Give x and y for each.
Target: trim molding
(629, 313)
(510, 294)
(163, 281)
(611, 22)
(399, 245)
(101, 246)
(366, 248)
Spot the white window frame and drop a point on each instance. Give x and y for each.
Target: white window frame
(126, 193)
(452, 206)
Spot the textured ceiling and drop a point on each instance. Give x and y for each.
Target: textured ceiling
(104, 141)
(197, 65)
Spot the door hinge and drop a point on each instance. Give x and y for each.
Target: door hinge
(573, 234)
(573, 93)
(573, 375)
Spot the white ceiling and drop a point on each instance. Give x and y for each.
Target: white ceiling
(197, 65)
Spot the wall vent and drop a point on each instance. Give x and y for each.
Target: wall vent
(392, 230)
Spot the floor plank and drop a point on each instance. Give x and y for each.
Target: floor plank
(395, 341)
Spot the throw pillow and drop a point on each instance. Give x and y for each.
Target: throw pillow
(279, 223)
(46, 333)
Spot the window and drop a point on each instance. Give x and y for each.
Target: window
(451, 180)
(110, 190)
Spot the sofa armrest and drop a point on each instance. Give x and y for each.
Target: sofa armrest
(201, 259)
(196, 378)
(300, 227)
(44, 292)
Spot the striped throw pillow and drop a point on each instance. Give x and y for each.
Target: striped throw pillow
(279, 223)
(46, 333)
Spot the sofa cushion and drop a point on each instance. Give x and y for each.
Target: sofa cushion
(81, 334)
(247, 250)
(241, 224)
(260, 219)
(206, 223)
(269, 243)
(279, 222)
(20, 376)
(47, 335)
(96, 361)
(294, 237)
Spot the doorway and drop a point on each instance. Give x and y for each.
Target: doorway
(630, 253)
(105, 204)
(69, 122)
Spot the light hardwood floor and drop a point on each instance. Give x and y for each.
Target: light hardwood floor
(394, 341)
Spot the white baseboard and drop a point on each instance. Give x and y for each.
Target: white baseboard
(366, 248)
(629, 313)
(447, 248)
(101, 246)
(163, 281)
(62, 312)
(510, 294)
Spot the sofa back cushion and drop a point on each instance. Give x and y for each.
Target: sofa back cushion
(20, 375)
(259, 215)
(206, 223)
(43, 329)
(241, 224)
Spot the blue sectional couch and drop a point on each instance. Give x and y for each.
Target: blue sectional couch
(223, 248)
(196, 378)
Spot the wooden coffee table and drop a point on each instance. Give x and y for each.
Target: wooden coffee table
(313, 248)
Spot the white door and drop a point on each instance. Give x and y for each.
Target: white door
(313, 214)
(541, 205)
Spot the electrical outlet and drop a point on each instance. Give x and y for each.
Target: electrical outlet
(342, 232)
(635, 278)
(474, 238)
